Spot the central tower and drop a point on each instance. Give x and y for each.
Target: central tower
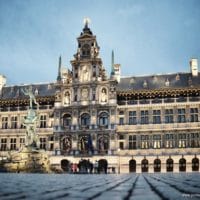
(85, 107)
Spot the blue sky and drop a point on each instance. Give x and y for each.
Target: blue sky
(147, 36)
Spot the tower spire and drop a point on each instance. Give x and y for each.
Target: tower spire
(112, 63)
(59, 69)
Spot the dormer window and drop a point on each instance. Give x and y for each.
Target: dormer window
(177, 77)
(145, 84)
(167, 83)
(132, 81)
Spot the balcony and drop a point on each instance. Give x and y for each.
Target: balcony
(158, 127)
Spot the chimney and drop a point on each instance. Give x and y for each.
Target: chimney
(2, 82)
(194, 66)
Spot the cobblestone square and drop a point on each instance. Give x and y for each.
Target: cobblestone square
(88, 187)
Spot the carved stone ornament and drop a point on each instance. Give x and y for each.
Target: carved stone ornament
(84, 93)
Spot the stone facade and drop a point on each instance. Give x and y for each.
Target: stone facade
(134, 124)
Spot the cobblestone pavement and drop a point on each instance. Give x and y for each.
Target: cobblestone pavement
(111, 187)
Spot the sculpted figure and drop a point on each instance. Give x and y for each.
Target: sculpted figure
(67, 98)
(31, 96)
(30, 122)
(85, 74)
(103, 95)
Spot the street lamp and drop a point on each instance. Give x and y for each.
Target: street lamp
(119, 160)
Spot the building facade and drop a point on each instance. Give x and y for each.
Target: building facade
(128, 124)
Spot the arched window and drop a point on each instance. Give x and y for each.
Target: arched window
(85, 120)
(195, 164)
(67, 120)
(144, 165)
(86, 50)
(103, 119)
(157, 165)
(132, 166)
(182, 165)
(169, 165)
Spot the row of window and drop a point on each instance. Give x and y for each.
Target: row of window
(22, 108)
(85, 119)
(170, 116)
(157, 100)
(4, 145)
(167, 141)
(14, 122)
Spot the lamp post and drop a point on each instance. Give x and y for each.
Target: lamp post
(119, 160)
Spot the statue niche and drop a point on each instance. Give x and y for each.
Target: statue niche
(66, 144)
(67, 98)
(104, 96)
(103, 143)
(85, 74)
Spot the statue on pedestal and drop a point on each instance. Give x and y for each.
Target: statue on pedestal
(30, 122)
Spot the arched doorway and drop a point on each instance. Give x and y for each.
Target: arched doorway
(85, 166)
(182, 165)
(65, 165)
(157, 165)
(170, 165)
(132, 166)
(195, 164)
(102, 166)
(145, 165)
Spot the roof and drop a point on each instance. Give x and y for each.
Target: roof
(39, 90)
(153, 82)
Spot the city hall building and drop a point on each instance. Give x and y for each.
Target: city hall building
(128, 124)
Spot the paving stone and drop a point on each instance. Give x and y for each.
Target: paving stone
(89, 187)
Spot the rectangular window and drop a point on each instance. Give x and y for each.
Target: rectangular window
(22, 121)
(3, 144)
(144, 116)
(21, 142)
(51, 147)
(181, 115)
(182, 140)
(169, 116)
(132, 118)
(121, 121)
(121, 145)
(13, 143)
(112, 126)
(144, 142)
(13, 122)
(156, 117)
(132, 142)
(43, 121)
(157, 141)
(170, 141)
(194, 140)
(193, 114)
(43, 143)
(4, 122)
